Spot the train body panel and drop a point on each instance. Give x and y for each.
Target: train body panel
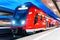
(35, 19)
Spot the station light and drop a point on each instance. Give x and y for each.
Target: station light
(55, 10)
(51, 4)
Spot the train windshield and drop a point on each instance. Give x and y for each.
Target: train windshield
(20, 17)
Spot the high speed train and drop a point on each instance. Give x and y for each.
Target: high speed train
(29, 16)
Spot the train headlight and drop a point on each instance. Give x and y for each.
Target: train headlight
(23, 22)
(13, 22)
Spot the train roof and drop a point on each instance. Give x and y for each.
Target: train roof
(10, 5)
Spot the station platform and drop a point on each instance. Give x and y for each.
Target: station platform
(53, 34)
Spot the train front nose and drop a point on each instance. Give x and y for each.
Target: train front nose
(19, 21)
(20, 15)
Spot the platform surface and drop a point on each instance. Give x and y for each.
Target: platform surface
(53, 34)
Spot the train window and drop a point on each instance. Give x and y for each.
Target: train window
(36, 18)
(20, 16)
(40, 17)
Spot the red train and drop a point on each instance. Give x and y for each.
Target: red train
(29, 16)
(37, 20)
